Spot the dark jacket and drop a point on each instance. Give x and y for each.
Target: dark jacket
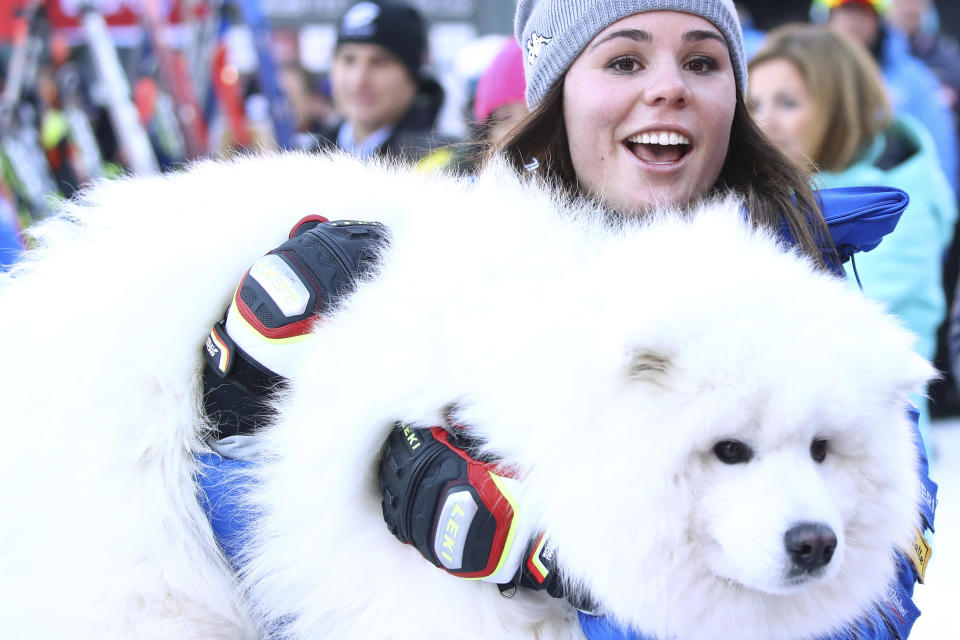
(415, 137)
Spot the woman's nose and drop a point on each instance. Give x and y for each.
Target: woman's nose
(666, 86)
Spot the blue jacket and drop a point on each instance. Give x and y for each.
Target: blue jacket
(858, 219)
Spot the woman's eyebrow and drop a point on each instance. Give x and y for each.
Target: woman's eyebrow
(638, 35)
(699, 35)
(633, 34)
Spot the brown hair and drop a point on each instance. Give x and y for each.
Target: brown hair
(774, 189)
(846, 86)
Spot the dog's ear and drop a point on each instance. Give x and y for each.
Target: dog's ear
(917, 374)
(647, 365)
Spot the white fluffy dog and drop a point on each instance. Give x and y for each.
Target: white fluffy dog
(611, 366)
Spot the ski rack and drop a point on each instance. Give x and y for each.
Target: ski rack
(26, 54)
(281, 113)
(130, 132)
(176, 80)
(27, 172)
(88, 159)
(228, 96)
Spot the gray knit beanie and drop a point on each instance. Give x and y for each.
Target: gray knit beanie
(554, 32)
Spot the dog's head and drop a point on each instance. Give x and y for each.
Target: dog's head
(730, 449)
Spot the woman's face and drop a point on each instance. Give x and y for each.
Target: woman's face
(648, 108)
(781, 104)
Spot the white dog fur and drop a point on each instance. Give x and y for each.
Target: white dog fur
(601, 362)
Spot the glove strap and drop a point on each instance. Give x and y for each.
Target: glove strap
(540, 572)
(235, 386)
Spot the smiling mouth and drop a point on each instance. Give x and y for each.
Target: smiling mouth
(659, 147)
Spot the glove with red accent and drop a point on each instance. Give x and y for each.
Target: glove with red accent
(461, 513)
(251, 352)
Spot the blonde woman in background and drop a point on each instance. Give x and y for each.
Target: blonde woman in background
(820, 96)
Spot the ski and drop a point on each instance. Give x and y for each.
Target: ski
(25, 166)
(281, 113)
(176, 80)
(130, 132)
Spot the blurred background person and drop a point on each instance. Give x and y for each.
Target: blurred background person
(920, 22)
(312, 109)
(912, 86)
(820, 97)
(388, 103)
(499, 104)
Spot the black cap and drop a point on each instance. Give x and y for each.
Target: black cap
(399, 28)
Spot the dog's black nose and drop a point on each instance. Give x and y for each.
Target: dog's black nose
(810, 545)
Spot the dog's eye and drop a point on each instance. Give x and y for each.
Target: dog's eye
(732, 452)
(818, 449)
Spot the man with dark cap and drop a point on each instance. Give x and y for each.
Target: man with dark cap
(388, 104)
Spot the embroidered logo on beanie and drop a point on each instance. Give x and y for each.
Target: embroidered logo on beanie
(358, 21)
(535, 46)
(396, 26)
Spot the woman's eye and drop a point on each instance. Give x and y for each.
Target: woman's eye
(702, 64)
(787, 103)
(625, 64)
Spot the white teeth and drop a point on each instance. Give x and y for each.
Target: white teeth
(659, 137)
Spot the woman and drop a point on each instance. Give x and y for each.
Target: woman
(637, 104)
(821, 98)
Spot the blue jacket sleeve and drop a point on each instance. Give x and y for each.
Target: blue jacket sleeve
(10, 245)
(222, 484)
(891, 619)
